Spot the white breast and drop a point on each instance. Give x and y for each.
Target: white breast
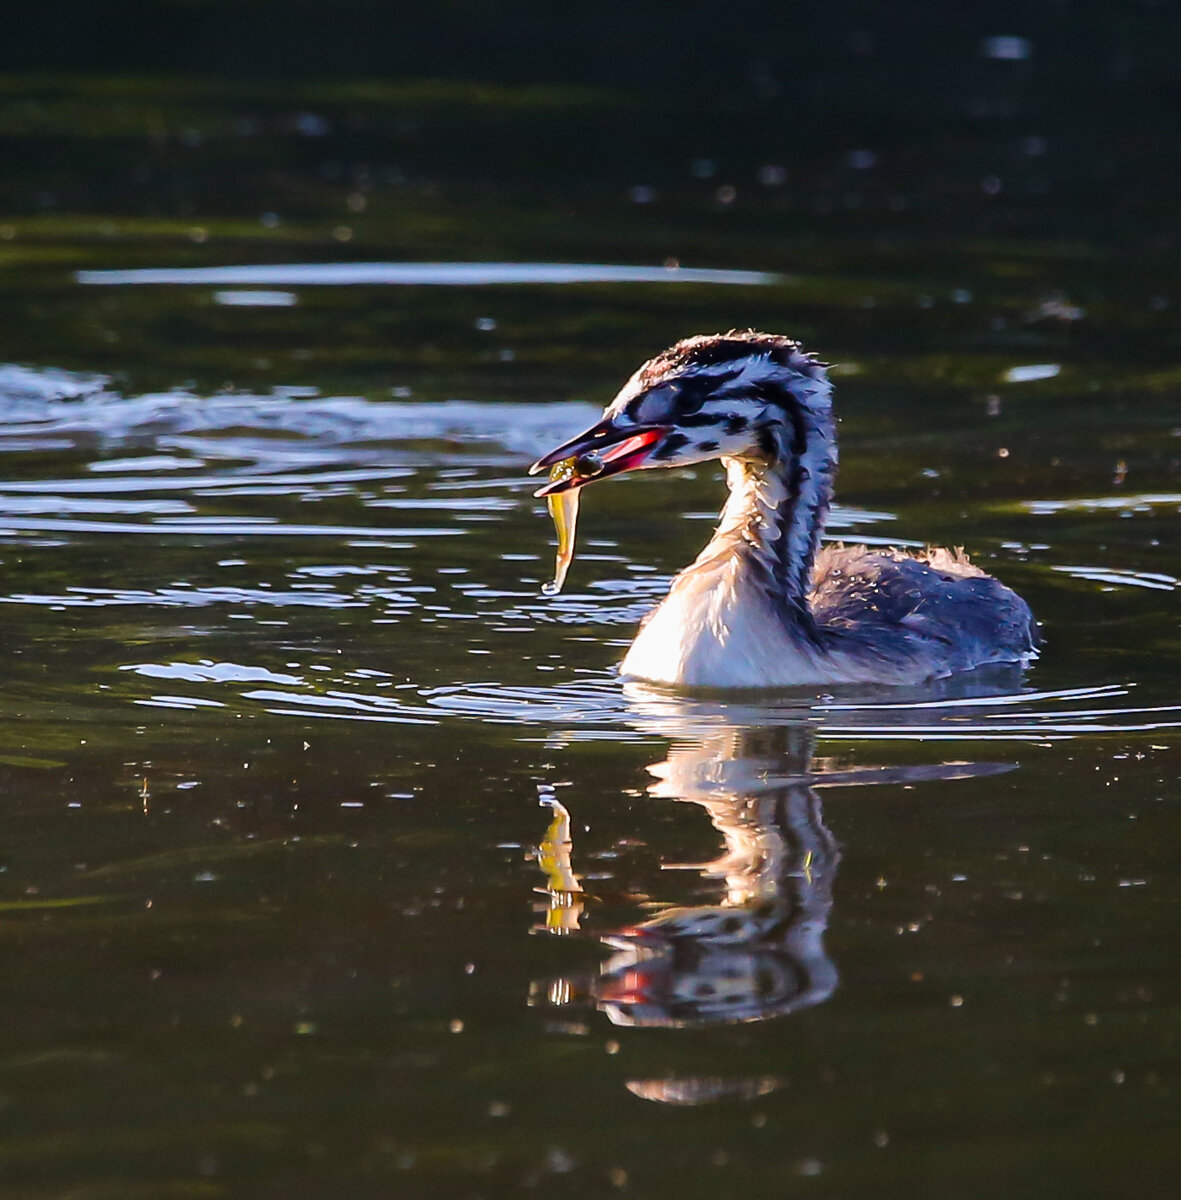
(716, 629)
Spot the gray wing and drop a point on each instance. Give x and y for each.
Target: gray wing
(934, 603)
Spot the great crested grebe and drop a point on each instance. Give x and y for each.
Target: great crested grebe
(763, 605)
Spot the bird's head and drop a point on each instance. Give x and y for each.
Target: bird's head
(738, 395)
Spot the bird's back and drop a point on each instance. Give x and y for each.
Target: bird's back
(933, 607)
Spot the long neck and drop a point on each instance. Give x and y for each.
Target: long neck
(778, 505)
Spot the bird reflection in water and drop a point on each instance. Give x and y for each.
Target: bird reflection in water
(758, 951)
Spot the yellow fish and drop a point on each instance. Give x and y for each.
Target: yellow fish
(564, 510)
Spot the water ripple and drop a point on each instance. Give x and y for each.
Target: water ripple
(275, 429)
(1122, 577)
(229, 526)
(596, 706)
(429, 274)
(1138, 504)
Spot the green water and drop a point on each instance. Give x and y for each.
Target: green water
(286, 715)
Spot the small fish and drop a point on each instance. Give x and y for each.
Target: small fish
(564, 510)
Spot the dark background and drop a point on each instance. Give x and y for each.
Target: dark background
(890, 162)
(638, 92)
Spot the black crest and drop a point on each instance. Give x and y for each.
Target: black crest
(714, 349)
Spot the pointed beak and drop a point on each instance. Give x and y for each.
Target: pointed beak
(603, 450)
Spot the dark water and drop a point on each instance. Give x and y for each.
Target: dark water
(335, 859)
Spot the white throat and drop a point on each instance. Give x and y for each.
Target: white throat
(739, 616)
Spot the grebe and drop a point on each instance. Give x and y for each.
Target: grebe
(763, 605)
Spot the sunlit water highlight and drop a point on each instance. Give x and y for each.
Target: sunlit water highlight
(215, 467)
(194, 452)
(449, 274)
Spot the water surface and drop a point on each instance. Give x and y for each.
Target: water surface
(337, 860)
